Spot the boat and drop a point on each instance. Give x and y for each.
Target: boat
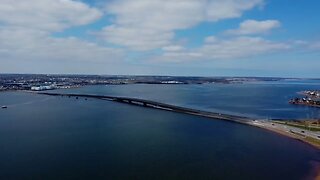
(4, 107)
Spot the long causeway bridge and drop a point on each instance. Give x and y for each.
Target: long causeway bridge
(159, 105)
(292, 132)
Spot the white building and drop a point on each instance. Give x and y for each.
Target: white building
(41, 88)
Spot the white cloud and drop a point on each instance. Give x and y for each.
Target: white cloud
(157, 14)
(26, 29)
(150, 24)
(173, 48)
(255, 27)
(241, 47)
(210, 39)
(225, 9)
(49, 15)
(140, 39)
(29, 44)
(219, 49)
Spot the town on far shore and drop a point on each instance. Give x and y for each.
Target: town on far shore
(312, 98)
(40, 82)
(43, 82)
(307, 130)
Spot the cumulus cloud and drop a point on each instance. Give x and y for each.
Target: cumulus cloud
(26, 29)
(240, 47)
(150, 24)
(136, 38)
(173, 48)
(224, 9)
(49, 15)
(219, 49)
(255, 27)
(30, 44)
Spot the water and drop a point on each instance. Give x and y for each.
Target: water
(258, 100)
(44, 137)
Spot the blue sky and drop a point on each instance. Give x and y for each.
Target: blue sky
(161, 37)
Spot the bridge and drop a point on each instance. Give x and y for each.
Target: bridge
(161, 106)
(292, 132)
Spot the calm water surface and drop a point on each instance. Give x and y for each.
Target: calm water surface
(260, 100)
(45, 137)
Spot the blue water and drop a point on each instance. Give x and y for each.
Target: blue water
(259, 100)
(43, 137)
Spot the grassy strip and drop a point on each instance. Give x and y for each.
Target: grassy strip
(298, 126)
(313, 141)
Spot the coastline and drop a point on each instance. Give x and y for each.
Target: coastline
(291, 135)
(309, 100)
(267, 125)
(315, 166)
(305, 104)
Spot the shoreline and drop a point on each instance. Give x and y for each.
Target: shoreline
(265, 125)
(292, 136)
(314, 173)
(305, 104)
(294, 133)
(309, 100)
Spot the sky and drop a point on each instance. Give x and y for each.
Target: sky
(274, 38)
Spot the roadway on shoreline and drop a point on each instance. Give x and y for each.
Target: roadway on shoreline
(287, 129)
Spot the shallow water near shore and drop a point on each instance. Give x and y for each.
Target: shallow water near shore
(45, 137)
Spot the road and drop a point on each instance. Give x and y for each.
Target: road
(286, 128)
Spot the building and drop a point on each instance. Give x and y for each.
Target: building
(41, 88)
